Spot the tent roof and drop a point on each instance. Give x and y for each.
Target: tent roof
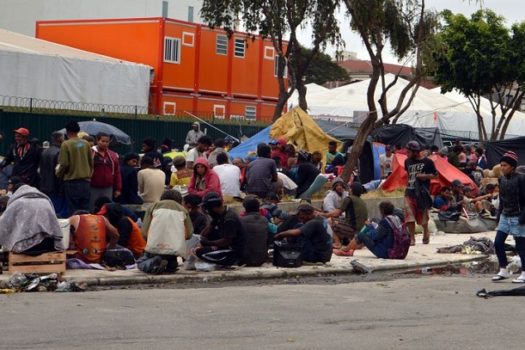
(19, 43)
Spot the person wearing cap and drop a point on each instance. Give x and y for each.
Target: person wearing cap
(130, 184)
(193, 136)
(356, 214)
(75, 167)
(310, 231)
(420, 171)
(222, 242)
(50, 184)
(25, 157)
(385, 162)
(334, 198)
(279, 150)
(182, 175)
(255, 252)
(511, 215)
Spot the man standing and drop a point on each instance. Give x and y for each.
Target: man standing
(106, 180)
(385, 162)
(50, 185)
(417, 195)
(261, 174)
(203, 144)
(25, 157)
(75, 168)
(194, 135)
(130, 185)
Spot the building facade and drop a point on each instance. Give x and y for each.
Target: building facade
(196, 69)
(21, 15)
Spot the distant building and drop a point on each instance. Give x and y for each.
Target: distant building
(21, 15)
(360, 70)
(196, 69)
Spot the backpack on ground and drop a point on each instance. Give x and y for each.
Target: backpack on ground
(401, 241)
(287, 254)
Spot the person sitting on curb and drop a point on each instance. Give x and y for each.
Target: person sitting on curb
(334, 198)
(222, 242)
(379, 240)
(310, 231)
(165, 222)
(356, 214)
(204, 179)
(192, 203)
(255, 252)
(92, 235)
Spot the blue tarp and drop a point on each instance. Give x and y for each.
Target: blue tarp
(250, 145)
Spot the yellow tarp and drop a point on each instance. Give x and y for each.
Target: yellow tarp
(302, 131)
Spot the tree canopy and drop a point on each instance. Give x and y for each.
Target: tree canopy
(479, 56)
(322, 69)
(280, 21)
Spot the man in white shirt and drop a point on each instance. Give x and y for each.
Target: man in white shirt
(198, 151)
(334, 198)
(385, 162)
(229, 175)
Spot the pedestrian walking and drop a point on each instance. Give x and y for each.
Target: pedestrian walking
(512, 215)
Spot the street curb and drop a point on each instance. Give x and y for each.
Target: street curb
(246, 275)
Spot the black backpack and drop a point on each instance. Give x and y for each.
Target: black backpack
(287, 253)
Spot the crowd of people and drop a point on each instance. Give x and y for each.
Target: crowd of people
(187, 215)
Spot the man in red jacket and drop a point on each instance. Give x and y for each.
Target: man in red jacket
(106, 180)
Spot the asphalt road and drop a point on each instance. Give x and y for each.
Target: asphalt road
(418, 313)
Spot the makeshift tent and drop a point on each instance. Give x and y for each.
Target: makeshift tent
(401, 134)
(57, 76)
(250, 145)
(340, 130)
(447, 173)
(496, 149)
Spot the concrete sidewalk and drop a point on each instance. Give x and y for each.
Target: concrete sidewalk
(418, 257)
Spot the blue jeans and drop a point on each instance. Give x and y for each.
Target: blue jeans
(499, 247)
(379, 249)
(77, 195)
(59, 202)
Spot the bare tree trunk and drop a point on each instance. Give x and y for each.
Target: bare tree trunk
(301, 90)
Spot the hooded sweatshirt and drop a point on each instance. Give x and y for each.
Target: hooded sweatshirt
(332, 199)
(210, 182)
(106, 170)
(193, 136)
(28, 220)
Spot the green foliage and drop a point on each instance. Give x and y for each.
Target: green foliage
(322, 70)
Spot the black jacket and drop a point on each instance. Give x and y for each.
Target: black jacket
(306, 174)
(512, 195)
(130, 185)
(25, 167)
(49, 182)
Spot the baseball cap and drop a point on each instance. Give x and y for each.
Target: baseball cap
(273, 142)
(22, 131)
(211, 199)
(457, 183)
(414, 146)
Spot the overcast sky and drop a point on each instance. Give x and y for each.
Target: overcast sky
(512, 10)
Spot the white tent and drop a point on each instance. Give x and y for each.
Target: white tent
(428, 109)
(57, 76)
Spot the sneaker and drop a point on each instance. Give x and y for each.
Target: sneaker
(520, 279)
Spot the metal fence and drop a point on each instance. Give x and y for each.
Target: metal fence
(41, 125)
(32, 104)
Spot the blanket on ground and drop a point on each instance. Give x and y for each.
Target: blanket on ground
(28, 220)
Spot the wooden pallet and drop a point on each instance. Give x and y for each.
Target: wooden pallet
(45, 263)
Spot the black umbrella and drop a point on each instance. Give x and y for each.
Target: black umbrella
(93, 128)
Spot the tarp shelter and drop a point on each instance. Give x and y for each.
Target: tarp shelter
(447, 173)
(340, 130)
(401, 134)
(496, 149)
(250, 146)
(302, 131)
(57, 76)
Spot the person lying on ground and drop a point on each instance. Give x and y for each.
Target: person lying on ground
(166, 223)
(91, 235)
(379, 240)
(311, 232)
(255, 252)
(222, 242)
(29, 224)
